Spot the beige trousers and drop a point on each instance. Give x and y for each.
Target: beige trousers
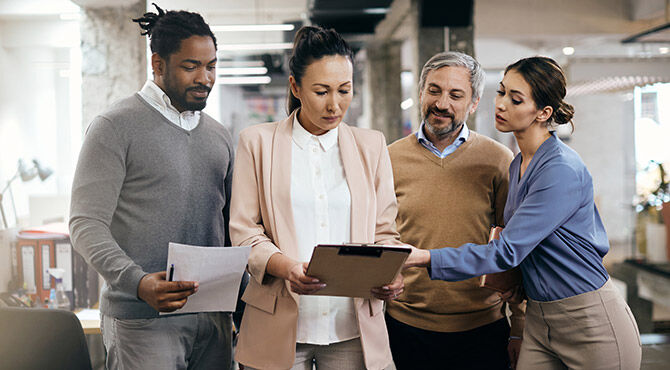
(594, 330)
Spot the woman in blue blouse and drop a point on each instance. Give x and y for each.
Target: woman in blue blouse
(575, 317)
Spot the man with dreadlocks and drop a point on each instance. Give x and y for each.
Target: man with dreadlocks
(154, 169)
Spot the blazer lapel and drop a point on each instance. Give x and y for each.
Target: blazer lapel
(358, 187)
(280, 188)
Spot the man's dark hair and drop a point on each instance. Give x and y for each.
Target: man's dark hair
(166, 30)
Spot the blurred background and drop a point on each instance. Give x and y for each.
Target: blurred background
(64, 61)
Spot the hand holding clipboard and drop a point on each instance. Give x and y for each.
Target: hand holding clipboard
(355, 270)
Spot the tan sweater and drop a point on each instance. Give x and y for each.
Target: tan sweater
(446, 203)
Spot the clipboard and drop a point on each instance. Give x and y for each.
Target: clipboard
(351, 270)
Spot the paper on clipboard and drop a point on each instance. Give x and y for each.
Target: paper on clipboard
(218, 271)
(351, 270)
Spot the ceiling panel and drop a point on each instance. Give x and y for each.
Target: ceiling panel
(349, 16)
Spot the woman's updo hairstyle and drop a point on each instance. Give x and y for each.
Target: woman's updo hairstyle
(548, 86)
(312, 43)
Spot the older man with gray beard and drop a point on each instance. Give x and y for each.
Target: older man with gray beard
(451, 185)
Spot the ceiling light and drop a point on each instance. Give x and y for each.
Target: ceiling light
(242, 71)
(406, 104)
(612, 83)
(663, 50)
(253, 27)
(568, 50)
(251, 80)
(240, 63)
(377, 11)
(269, 46)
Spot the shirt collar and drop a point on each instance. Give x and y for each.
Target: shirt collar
(301, 136)
(461, 138)
(153, 92)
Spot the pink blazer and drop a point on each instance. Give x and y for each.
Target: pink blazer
(261, 216)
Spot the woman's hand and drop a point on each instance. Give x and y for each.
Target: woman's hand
(301, 283)
(418, 258)
(390, 291)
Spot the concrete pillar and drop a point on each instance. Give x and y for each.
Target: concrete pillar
(384, 66)
(462, 39)
(430, 41)
(383, 73)
(114, 57)
(402, 24)
(433, 40)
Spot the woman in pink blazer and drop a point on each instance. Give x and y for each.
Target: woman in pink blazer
(306, 180)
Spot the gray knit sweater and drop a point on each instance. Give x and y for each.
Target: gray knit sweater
(142, 182)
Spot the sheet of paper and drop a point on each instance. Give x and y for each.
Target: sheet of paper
(218, 270)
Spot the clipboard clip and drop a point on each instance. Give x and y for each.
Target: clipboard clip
(363, 250)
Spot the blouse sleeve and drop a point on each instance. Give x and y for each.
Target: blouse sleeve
(553, 197)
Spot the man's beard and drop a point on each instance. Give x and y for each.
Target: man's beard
(180, 99)
(444, 131)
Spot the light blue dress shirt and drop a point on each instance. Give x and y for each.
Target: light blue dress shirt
(552, 230)
(462, 137)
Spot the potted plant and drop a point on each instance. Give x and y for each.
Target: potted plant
(653, 210)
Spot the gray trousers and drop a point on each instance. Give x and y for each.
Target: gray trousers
(190, 341)
(590, 331)
(337, 356)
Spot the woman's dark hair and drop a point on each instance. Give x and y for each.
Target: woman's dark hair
(312, 43)
(166, 30)
(548, 86)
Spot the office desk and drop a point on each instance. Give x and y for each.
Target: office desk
(647, 283)
(90, 320)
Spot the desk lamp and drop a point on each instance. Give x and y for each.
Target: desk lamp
(25, 174)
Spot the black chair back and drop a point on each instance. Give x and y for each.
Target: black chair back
(42, 339)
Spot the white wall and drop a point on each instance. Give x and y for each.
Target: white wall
(35, 104)
(604, 138)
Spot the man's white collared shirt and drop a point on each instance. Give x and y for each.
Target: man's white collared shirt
(157, 98)
(321, 204)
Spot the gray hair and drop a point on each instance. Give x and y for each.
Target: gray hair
(456, 59)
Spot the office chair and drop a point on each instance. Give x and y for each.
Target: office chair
(33, 338)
